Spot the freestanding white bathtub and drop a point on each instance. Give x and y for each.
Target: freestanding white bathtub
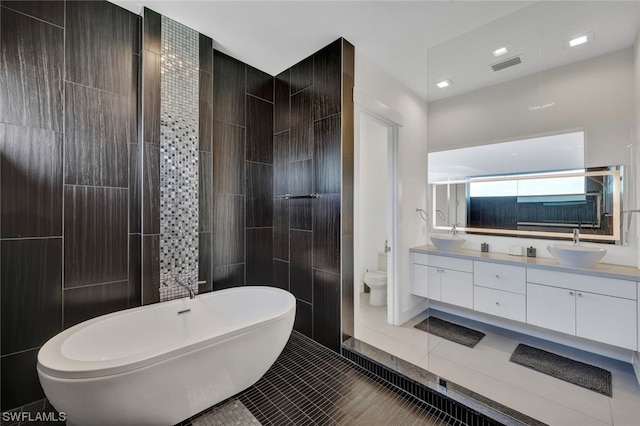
(160, 364)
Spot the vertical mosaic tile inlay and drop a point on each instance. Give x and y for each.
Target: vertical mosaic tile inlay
(179, 158)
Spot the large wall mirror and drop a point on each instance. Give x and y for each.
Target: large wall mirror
(529, 131)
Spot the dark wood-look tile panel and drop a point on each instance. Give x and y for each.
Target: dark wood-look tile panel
(259, 84)
(51, 11)
(83, 303)
(98, 42)
(300, 280)
(281, 274)
(136, 31)
(282, 102)
(327, 78)
(228, 276)
(302, 75)
(281, 229)
(30, 182)
(205, 111)
(96, 236)
(327, 155)
(205, 269)
(19, 368)
(228, 159)
(281, 163)
(326, 309)
(151, 96)
(31, 278)
(259, 257)
(304, 318)
(301, 145)
(326, 233)
(152, 27)
(205, 50)
(259, 195)
(151, 189)
(135, 270)
(205, 191)
(259, 130)
(135, 194)
(150, 269)
(134, 99)
(31, 66)
(96, 137)
(301, 183)
(228, 229)
(229, 89)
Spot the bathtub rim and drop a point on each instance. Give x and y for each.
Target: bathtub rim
(53, 363)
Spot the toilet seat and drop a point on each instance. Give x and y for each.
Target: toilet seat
(375, 277)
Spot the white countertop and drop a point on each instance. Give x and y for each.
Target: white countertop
(607, 270)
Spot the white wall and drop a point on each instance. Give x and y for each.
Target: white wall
(373, 194)
(373, 81)
(634, 173)
(596, 95)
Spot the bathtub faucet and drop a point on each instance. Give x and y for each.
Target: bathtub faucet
(192, 294)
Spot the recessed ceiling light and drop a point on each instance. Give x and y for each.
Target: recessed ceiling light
(499, 52)
(580, 40)
(444, 83)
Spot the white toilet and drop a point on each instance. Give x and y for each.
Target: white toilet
(377, 282)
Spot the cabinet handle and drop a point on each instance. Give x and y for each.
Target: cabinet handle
(571, 293)
(497, 276)
(497, 304)
(579, 294)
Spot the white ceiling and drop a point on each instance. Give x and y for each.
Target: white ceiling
(397, 35)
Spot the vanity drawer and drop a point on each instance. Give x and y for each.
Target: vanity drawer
(500, 277)
(445, 262)
(599, 285)
(500, 303)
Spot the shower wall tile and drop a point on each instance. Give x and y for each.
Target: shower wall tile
(205, 111)
(98, 42)
(151, 96)
(301, 183)
(281, 163)
(136, 31)
(135, 270)
(301, 265)
(19, 368)
(282, 102)
(326, 232)
(327, 80)
(205, 191)
(229, 89)
(204, 262)
(302, 75)
(150, 269)
(134, 104)
(152, 28)
(259, 195)
(259, 256)
(96, 235)
(97, 137)
(206, 53)
(228, 159)
(228, 276)
(228, 239)
(301, 147)
(259, 130)
(84, 303)
(326, 309)
(151, 189)
(31, 277)
(30, 182)
(327, 155)
(135, 180)
(50, 11)
(281, 274)
(281, 229)
(304, 318)
(259, 84)
(31, 66)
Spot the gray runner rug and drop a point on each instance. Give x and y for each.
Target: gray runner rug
(454, 332)
(578, 373)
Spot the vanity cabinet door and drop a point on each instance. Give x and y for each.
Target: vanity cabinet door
(606, 319)
(419, 280)
(434, 276)
(456, 288)
(551, 307)
(499, 303)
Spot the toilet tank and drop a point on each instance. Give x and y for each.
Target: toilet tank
(382, 261)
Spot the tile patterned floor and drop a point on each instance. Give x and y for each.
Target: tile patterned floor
(311, 385)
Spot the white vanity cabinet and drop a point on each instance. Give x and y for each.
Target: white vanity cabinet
(595, 308)
(444, 279)
(500, 290)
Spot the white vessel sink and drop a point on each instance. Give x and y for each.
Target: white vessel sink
(576, 255)
(446, 242)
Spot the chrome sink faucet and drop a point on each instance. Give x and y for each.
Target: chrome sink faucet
(454, 229)
(576, 236)
(192, 294)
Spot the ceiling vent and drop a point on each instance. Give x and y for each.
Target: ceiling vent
(507, 63)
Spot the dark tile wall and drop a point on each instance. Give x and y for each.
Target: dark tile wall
(69, 175)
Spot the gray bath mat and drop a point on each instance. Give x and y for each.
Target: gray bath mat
(454, 332)
(578, 373)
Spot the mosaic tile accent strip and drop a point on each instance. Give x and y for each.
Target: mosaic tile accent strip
(232, 412)
(179, 81)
